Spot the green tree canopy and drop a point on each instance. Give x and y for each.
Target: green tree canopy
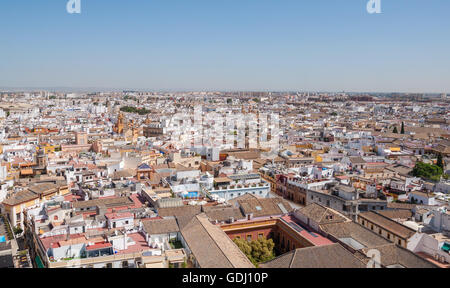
(129, 109)
(427, 171)
(258, 251)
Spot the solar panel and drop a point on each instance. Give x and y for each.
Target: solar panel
(296, 227)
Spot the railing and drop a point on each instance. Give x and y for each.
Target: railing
(94, 260)
(234, 187)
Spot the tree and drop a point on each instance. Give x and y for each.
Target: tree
(402, 131)
(129, 109)
(257, 251)
(427, 171)
(440, 162)
(17, 230)
(395, 130)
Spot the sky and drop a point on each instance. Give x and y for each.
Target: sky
(256, 45)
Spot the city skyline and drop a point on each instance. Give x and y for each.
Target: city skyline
(233, 46)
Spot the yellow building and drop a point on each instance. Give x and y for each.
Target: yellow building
(48, 148)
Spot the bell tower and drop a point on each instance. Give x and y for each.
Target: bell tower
(118, 127)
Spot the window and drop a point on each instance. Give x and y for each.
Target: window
(371, 227)
(363, 222)
(108, 265)
(249, 237)
(238, 237)
(260, 235)
(380, 232)
(389, 236)
(399, 242)
(127, 222)
(125, 264)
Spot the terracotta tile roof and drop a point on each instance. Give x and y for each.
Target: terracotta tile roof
(354, 231)
(392, 254)
(397, 214)
(388, 224)
(322, 215)
(115, 216)
(99, 246)
(161, 226)
(329, 256)
(220, 213)
(211, 247)
(260, 207)
(108, 202)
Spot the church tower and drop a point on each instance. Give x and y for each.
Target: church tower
(118, 127)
